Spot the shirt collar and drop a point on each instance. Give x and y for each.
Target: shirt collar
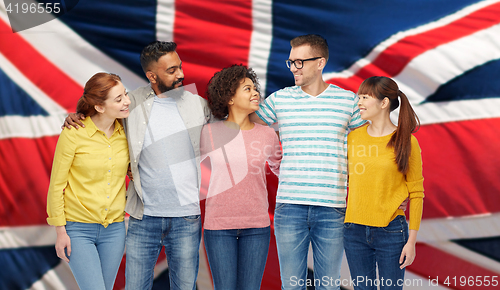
(92, 128)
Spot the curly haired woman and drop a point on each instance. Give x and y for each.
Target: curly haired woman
(237, 225)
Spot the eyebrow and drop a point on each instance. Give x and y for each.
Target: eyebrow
(175, 66)
(119, 96)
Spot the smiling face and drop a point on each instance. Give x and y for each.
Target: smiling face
(371, 107)
(246, 98)
(310, 71)
(116, 104)
(166, 74)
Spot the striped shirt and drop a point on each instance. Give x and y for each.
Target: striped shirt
(313, 134)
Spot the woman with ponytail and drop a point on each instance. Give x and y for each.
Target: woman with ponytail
(385, 168)
(86, 197)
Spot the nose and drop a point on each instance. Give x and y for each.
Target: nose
(180, 73)
(126, 100)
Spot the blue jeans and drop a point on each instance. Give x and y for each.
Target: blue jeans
(96, 253)
(237, 258)
(369, 247)
(181, 237)
(298, 225)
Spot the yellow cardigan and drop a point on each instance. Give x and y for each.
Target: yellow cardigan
(87, 183)
(376, 187)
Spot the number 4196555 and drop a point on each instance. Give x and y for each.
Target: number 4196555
(471, 281)
(33, 8)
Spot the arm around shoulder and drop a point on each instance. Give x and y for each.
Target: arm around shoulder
(256, 119)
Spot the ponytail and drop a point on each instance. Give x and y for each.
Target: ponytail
(408, 123)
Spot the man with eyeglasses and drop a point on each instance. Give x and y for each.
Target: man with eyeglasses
(313, 118)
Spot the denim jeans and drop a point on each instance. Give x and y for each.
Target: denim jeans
(181, 237)
(296, 226)
(237, 257)
(96, 253)
(369, 247)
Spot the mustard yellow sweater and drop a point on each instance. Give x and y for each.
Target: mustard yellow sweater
(376, 187)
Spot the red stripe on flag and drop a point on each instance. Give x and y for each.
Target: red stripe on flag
(457, 162)
(24, 180)
(211, 35)
(395, 58)
(449, 270)
(39, 70)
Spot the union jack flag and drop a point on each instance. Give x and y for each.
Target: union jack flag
(444, 54)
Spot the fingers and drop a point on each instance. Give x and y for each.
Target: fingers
(402, 257)
(404, 204)
(66, 124)
(62, 255)
(71, 122)
(74, 120)
(408, 260)
(129, 173)
(79, 122)
(68, 250)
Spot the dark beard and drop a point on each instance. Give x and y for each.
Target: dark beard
(164, 88)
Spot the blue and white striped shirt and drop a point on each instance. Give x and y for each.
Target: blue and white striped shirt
(313, 133)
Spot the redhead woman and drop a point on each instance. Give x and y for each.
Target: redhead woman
(385, 168)
(86, 197)
(237, 224)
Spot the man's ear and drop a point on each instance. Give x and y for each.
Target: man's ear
(322, 63)
(151, 76)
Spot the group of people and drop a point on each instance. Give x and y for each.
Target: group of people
(161, 133)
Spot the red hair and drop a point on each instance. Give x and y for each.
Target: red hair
(96, 92)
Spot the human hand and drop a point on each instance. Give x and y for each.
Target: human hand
(73, 120)
(63, 243)
(404, 204)
(129, 173)
(407, 255)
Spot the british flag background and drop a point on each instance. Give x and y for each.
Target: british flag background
(444, 54)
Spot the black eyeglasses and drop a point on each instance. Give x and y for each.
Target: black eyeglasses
(299, 63)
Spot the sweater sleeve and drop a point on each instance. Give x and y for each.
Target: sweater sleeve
(274, 159)
(415, 185)
(63, 158)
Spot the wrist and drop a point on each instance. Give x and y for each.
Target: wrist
(60, 230)
(412, 239)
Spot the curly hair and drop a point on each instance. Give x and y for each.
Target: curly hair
(223, 85)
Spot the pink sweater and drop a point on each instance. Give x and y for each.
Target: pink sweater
(237, 194)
